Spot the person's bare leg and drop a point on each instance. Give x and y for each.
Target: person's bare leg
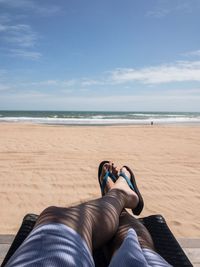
(96, 221)
(127, 221)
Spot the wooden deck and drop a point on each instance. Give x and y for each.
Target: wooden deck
(190, 246)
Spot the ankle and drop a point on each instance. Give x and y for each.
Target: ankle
(117, 197)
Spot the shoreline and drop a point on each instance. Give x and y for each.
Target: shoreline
(181, 124)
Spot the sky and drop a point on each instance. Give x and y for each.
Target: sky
(112, 55)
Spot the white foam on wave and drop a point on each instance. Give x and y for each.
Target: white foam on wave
(100, 121)
(97, 117)
(152, 115)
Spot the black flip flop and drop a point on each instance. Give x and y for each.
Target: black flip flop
(114, 179)
(134, 187)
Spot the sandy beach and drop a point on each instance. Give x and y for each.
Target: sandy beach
(42, 165)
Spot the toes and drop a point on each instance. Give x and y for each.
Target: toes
(116, 171)
(109, 184)
(113, 169)
(124, 170)
(110, 166)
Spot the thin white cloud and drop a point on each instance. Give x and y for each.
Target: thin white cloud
(195, 53)
(163, 8)
(185, 6)
(33, 6)
(102, 102)
(158, 13)
(90, 82)
(33, 55)
(19, 35)
(18, 41)
(69, 83)
(4, 87)
(82, 82)
(58, 83)
(178, 72)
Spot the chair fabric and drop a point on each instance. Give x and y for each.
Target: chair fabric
(164, 241)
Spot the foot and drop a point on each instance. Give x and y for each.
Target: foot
(121, 183)
(113, 170)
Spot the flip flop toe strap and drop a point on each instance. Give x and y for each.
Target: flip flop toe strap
(127, 180)
(105, 179)
(112, 176)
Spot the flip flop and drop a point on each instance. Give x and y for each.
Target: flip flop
(132, 184)
(105, 178)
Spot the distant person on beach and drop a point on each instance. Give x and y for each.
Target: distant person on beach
(68, 236)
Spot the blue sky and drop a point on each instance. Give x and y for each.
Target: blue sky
(100, 55)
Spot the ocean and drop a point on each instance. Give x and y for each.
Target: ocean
(99, 118)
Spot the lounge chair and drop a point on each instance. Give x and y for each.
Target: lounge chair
(164, 241)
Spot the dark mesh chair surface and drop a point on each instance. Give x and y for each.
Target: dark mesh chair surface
(164, 241)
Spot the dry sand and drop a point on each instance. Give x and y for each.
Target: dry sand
(57, 165)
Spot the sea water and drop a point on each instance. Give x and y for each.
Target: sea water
(100, 117)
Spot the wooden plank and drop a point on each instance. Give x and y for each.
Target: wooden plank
(6, 239)
(189, 242)
(3, 249)
(190, 246)
(193, 255)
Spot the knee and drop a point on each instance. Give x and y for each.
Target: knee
(49, 210)
(47, 215)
